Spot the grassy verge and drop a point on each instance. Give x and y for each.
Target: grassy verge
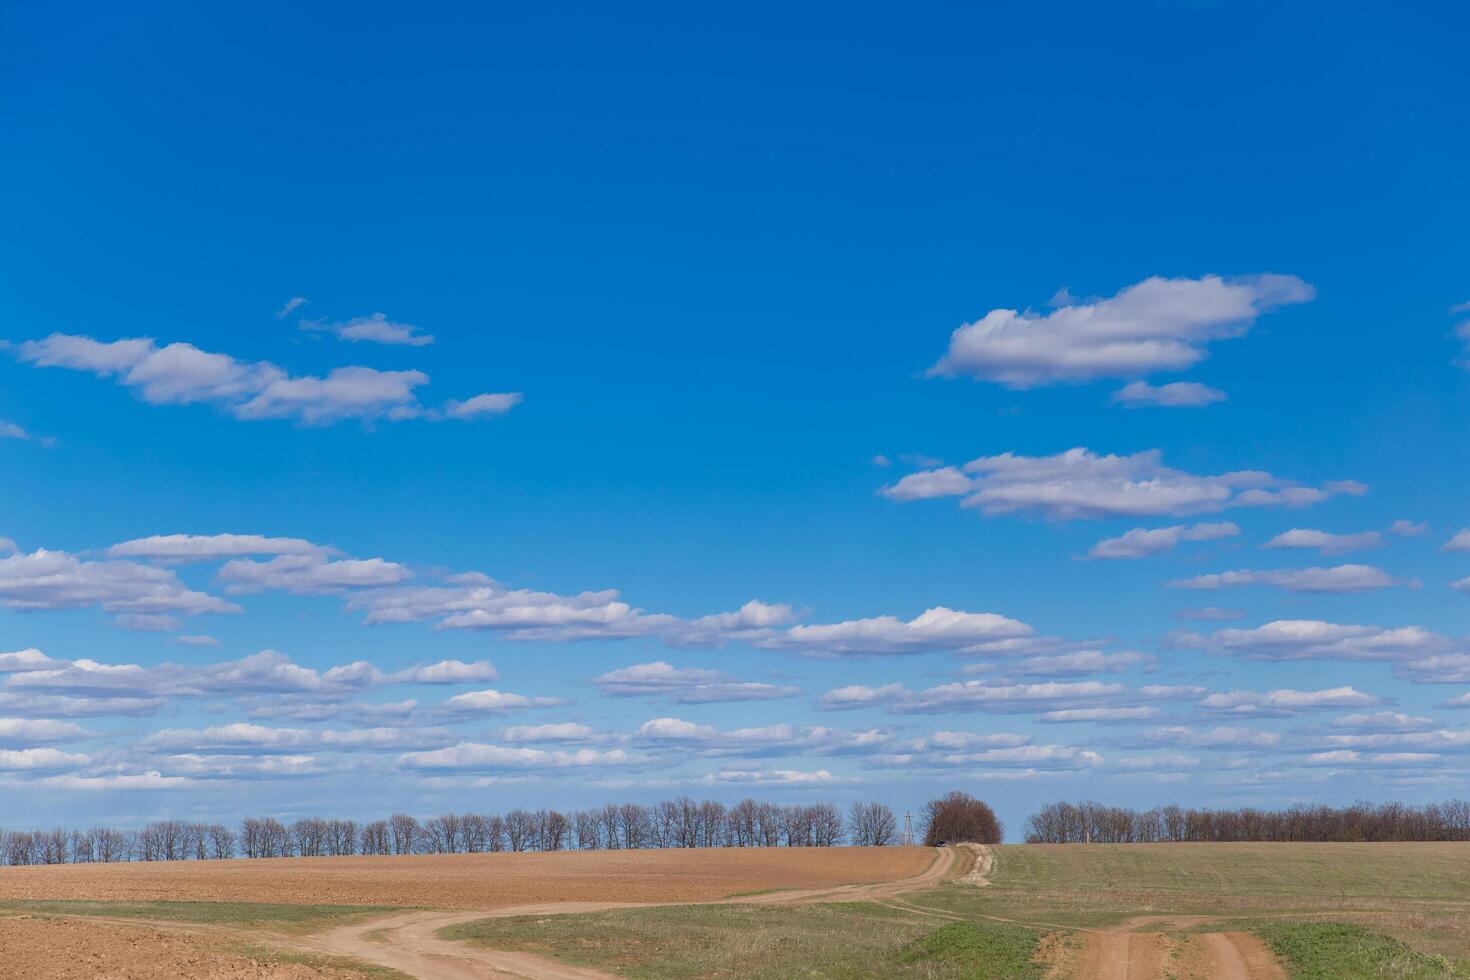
(249, 914)
(338, 964)
(1339, 951)
(849, 941)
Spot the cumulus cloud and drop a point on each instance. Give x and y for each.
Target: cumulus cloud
(1309, 639)
(687, 685)
(1006, 698)
(1285, 701)
(309, 574)
(476, 602)
(1155, 325)
(1079, 483)
(1326, 543)
(22, 731)
(40, 760)
(1339, 578)
(1142, 542)
(1407, 529)
(1222, 738)
(375, 328)
(51, 580)
(562, 731)
(491, 701)
(933, 630)
(150, 780)
(1178, 394)
(773, 777)
(1460, 542)
(180, 374)
(182, 548)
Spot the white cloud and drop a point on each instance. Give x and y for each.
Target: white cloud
(774, 777)
(9, 430)
(290, 306)
(1285, 701)
(309, 574)
(29, 659)
(8, 547)
(1339, 578)
(496, 403)
(40, 760)
(1155, 325)
(197, 640)
(1098, 715)
(56, 580)
(1460, 542)
(564, 731)
(445, 672)
(768, 740)
(181, 373)
(375, 328)
(23, 731)
(1006, 698)
(1178, 394)
(1326, 543)
(151, 780)
(491, 701)
(936, 629)
(1142, 542)
(688, 685)
(1079, 483)
(181, 548)
(1307, 639)
(483, 757)
(1407, 529)
(246, 738)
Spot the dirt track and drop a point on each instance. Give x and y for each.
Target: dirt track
(1138, 950)
(409, 941)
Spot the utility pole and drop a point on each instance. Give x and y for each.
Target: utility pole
(908, 830)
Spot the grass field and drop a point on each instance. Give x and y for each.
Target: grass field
(1339, 911)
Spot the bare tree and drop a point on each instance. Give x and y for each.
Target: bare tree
(404, 832)
(871, 825)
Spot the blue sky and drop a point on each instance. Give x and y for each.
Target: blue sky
(845, 313)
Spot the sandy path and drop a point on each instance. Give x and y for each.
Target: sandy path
(409, 941)
(1126, 952)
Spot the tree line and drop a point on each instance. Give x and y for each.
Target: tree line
(682, 822)
(1079, 823)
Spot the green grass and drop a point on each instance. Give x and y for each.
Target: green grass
(849, 941)
(977, 950)
(302, 918)
(1339, 951)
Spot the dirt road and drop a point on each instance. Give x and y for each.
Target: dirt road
(1139, 950)
(409, 941)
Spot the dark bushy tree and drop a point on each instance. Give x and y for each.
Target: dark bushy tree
(960, 817)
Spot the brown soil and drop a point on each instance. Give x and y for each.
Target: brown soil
(73, 949)
(474, 881)
(409, 941)
(1129, 953)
